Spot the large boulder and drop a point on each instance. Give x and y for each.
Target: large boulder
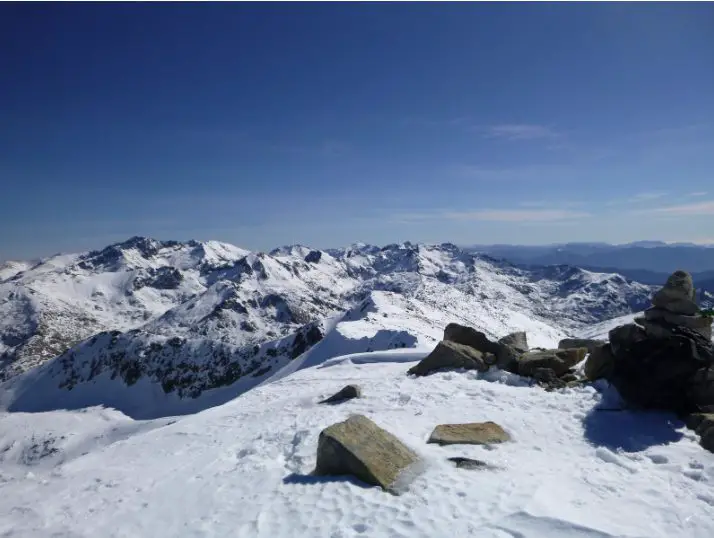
(557, 360)
(503, 355)
(600, 363)
(677, 295)
(517, 340)
(360, 448)
(476, 433)
(449, 354)
(468, 336)
(662, 373)
(623, 336)
(589, 343)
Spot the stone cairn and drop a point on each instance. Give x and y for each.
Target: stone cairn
(665, 359)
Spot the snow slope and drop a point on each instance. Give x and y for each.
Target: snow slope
(242, 469)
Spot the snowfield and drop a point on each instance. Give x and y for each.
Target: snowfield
(161, 389)
(242, 468)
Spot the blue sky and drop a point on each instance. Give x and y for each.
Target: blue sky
(326, 124)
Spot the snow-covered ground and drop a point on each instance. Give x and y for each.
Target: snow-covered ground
(242, 468)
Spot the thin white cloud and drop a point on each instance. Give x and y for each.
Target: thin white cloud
(495, 215)
(638, 198)
(518, 215)
(698, 193)
(520, 131)
(700, 208)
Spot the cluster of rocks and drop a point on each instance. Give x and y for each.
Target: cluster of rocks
(360, 448)
(465, 347)
(664, 360)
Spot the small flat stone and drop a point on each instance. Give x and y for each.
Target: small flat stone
(476, 433)
(469, 464)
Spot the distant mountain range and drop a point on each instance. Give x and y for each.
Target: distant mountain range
(649, 262)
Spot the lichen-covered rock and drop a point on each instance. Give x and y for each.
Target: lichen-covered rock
(558, 360)
(600, 363)
(360, 448)
(347, 393)
(450, 355)
(476, 433)
(589, 343)
(517, 340)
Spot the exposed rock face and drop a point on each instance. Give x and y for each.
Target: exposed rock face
(347, 393)
(477, 433)
(360, 448)
(600, 363)
(517, 340)
(557, 360)
(449, 354)
(589, 343)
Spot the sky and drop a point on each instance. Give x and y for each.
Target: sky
(326, 124)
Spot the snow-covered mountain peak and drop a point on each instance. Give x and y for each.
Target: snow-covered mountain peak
(210, 293)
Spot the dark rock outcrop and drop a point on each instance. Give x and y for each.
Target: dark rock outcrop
(347, 393)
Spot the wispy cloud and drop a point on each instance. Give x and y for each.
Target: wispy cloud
(700, 208)
(698, 193)
(496, 215)
(513, 173)
(520, 131)
(638, 198)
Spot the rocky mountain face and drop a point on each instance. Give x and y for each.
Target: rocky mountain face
(192, 316)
